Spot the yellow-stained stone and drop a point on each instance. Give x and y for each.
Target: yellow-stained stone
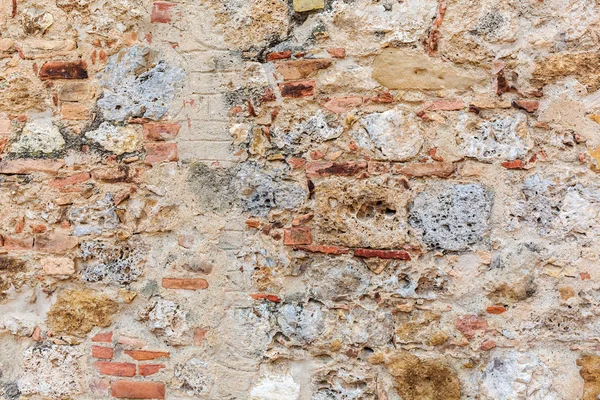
(405, 69)
(308, 5)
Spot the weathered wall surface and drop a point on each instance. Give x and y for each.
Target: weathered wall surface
(303, 199)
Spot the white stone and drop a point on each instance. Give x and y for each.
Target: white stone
(39, 136)
(280, 387)
(116, 139)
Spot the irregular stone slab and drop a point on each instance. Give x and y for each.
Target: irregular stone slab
(405, 69)
(116, 139)
(452, 217)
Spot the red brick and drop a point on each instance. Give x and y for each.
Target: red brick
(70, 180)
(384, 254)
(159, 152)
(439, 169)
(340, 105)
(145, 355)
(279, 55)
(319, 248)
(106, 353)
(496, 309)
(337, 52)
(527, 105)
(137, 390)
(470, 324)
(149, 369)
(385, 97)
(158, 132)
(330, 168)
(10, 167)
(63, 70)
(265, 296)
(104, 337)
(301, 69)
(297, 236)
(114, 368)
(12, 243)
(119, 173)
(161, 12)
(55, 243)
(516, 164)
(185, 283)
(297, 89)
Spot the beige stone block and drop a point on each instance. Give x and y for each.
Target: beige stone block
(58, 266)
(405, 69)
(308, 5)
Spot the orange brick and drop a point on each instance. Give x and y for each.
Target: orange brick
(137, 390)
(149, 369)
(105, 353)
(185, 283)
(114, 368)
(159, 152)
(145, 355)
(105, 337)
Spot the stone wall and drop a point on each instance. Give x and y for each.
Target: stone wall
(299, 199)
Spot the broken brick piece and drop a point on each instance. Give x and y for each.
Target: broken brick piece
(63, 70)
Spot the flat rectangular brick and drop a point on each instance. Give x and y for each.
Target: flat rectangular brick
(145, 355)
(115, 368)
(63, 70)
(105, 353)
(12, 243)
(301, 69)
(70, 180)
(298, 235)
(439, 169)
(137, 390)
(331, 168)
(185, 283)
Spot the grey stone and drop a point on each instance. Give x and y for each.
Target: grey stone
(191, 377)
(94, 218)
(302, 322)
(136, 84)
(260, 191)
(113, 263)
(213, 187)
(452, 216)
(40, 137)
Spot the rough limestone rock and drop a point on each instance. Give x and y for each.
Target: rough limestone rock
(137, 84)
(116, 139)
(39, 137)
(191, 377)
(452, 217)
(394, 134)
(280, 387)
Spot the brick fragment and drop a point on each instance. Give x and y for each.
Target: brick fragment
(55, 243)
(159, 152)
(115, 368)
(439, 169)
(75, 111)
(319, 248)
(13, 243)
(516, 164)
(488, 345)
(527, 105)
(297, 89)
(331, 168)
(384, 254)
(161, 12)
(298, 235)
(137, 390)
(337, 52)
(279, 55)
(385, 97)
(158, 132)
(131, 341)
(63, 70)
(70, 180)
(29, 166)
(103, 337)
(149, 369)
(495, 309)
(443, 105)
(301, 69)
(340, 105)
(199, 334)
(296, 162)
(470, 324)
(185, 283)
(102, 352)
(145, 355)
